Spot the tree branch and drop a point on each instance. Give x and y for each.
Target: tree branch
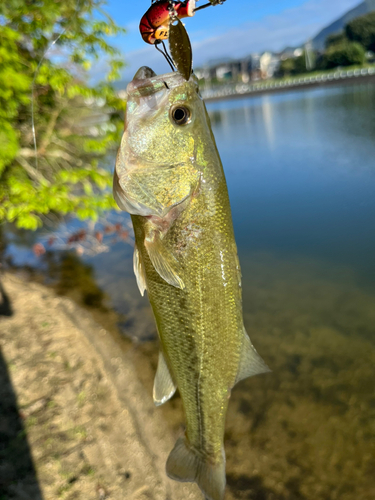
(50, 128)
(37, 176)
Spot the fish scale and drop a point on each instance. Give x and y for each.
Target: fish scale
(187, 260)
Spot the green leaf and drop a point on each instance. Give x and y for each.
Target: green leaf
(68, 175)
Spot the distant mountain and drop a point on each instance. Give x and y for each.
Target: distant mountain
(338, 25)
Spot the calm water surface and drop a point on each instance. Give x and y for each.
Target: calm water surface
(300, 169)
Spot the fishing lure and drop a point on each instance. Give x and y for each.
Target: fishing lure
(162, 21)
(154, 25)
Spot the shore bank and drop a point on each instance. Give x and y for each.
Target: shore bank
(76, 421)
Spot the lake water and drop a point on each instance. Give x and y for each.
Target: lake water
(300, 170)
(301, 174)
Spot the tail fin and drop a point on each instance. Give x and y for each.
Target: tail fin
(185, 464)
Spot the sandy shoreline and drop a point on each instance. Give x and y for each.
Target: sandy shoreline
(92, 429)
(84, 398)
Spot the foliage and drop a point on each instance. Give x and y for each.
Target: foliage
(46, 48)
(286, 67)
(362, 30)
(335, 39)
(343, 54)
(292, 66)
(348, 47)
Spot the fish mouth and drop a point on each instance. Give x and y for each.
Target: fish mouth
(143, 73)
(146, 82)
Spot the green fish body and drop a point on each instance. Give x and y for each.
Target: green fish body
(169, 177)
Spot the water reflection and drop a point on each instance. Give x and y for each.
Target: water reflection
(73, 278)
(300, 181)
(268, 121)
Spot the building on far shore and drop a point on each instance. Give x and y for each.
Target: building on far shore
(250, 68)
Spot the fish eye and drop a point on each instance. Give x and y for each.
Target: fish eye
(180, 115)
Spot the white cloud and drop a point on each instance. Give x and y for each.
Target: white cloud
(291, 27)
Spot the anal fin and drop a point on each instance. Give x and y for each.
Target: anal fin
(139, 271)
(164, 387)
(250, 361)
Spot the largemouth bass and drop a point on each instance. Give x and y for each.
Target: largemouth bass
(169, 177)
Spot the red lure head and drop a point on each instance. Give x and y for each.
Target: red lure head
(154, 24)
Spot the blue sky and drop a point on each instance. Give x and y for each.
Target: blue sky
(234, 29)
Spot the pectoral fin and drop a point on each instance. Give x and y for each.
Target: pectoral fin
(164, 262)
(250, 362)
(164, 387)
(139, 271)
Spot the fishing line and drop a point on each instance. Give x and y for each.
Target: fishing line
(165, 53)
(169, 58)
(33, 85)
(33, 95)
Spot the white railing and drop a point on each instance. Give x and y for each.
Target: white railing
(249, 88)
